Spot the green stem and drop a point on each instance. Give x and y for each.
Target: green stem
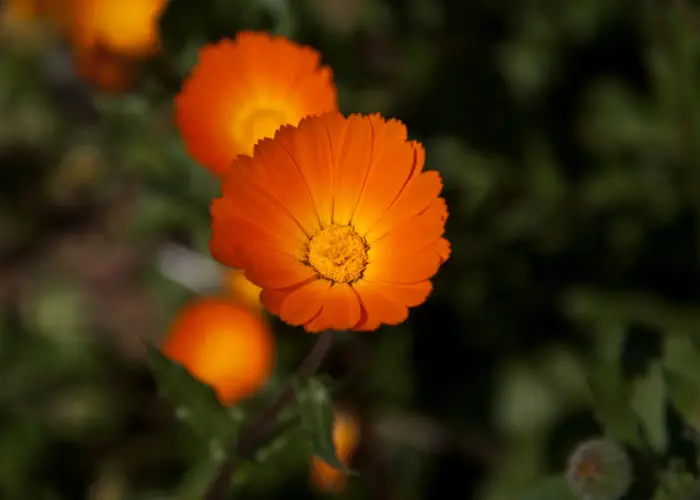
(252, 437)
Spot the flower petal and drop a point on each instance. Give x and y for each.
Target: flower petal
(272, 299)
(378, 306)
(269, 268)
(393, 163)
(340, 311)
(404, 267)
(352, 151)
(278, 173)
(304, 303)
(421, 191)
(414, 234)
(313, 153)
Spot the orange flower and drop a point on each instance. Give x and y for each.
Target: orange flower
(125, 27)
(240, 288)
(242, 91)
(224, 345)
(336, 221)
(346, 435)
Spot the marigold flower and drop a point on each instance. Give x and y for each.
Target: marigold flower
(336, 221)
(125, 27)
(224, 345)
(346, 436)
(242, 91)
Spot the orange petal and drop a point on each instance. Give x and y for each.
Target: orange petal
(314, 155)
(252, 202)
(420, 192)
(443, 249)
(280, 176)
(378, 306)
(352, 150)
(414, 234)
(340, 311)
(411, 294)
(393, 163)
(274, 269)
(272, 299)
(405, 267)
(244, 90)
(304, 303)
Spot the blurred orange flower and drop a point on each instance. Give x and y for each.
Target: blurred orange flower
(241, 289)
(125, 27)
(242, 91)
(346, 436)
(224, 345)
(336, 221)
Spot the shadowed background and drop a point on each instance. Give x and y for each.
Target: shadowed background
(567, 136)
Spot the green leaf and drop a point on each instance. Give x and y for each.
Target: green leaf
(682, 357)
(316, 414)
(549, 488)
(649, 404)
(195, 402)
(609, 390)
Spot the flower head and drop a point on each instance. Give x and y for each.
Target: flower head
(242, 91)
(223, 344)
(125, 27)
(336, 221)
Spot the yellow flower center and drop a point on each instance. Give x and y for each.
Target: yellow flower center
(258, 124)
(338, 253)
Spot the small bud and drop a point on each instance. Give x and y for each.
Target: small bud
(599, 469)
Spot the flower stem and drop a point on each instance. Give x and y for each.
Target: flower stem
(256, 434)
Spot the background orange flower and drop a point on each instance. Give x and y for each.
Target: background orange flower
(336, 221)
(346, 436)
(223, 344)
(125, 27)
(242, 91)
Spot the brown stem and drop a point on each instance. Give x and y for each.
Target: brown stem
(252, 437)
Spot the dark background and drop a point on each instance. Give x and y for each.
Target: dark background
(567, 135)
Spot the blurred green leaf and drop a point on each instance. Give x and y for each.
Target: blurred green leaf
(195, 402)
(609, 390)
(649, 404)
(316, 412)
(549, 488)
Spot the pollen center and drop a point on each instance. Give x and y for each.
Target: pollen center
(259, 123)
(338, 253)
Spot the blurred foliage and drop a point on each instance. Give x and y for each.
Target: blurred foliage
(567, 134)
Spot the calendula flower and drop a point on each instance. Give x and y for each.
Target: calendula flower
(223, 344)
(346, 437)
(125, 27)
(336, 221)
(244, 90)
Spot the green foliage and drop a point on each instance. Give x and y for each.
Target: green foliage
(315, 410)
(196, 403)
